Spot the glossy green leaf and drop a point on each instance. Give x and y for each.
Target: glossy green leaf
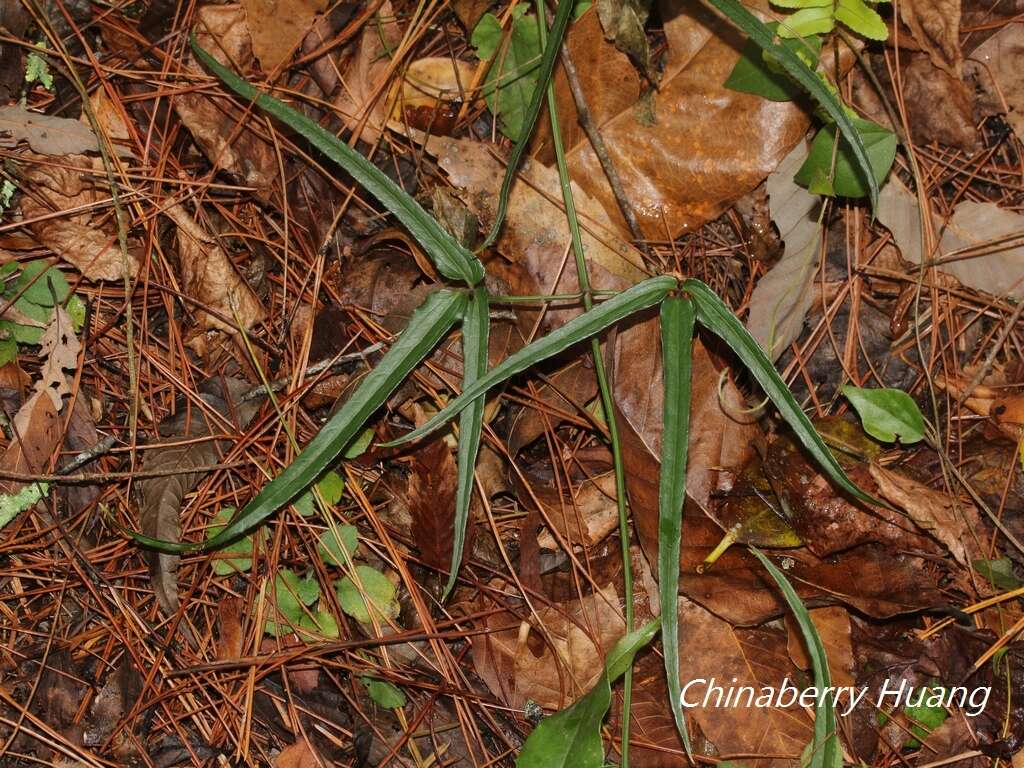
(337, 542)
(429, 323)
(547, 65)
(808, 79)
(476, 325)
(862, 19)
(887, 414)
(580, 328)
(757, 73)
(383, 693)
(451, 259)
(571, 738)
(377, 591)
(847, 181)
(825, 750)
(677, 319)
(714, 315)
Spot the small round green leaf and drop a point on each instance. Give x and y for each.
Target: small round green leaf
(887, 414)
(377, 591)
(338, 545)
(384, 693)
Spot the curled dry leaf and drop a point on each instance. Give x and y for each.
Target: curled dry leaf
(686, 153)
(67, 214)
(935, 25)
(278, 26)
(209, 277)
(585, 518)
(430, 93)
(833, 625)
(980, 245)
(779, 303)
(219, 127)
(517, 664)
(750, 657)
(160, 498)
(953, 522)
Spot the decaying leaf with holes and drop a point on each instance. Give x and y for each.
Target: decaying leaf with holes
(189, 434)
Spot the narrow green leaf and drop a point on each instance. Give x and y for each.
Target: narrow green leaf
(476, 325)
(714, 315)
(580, 328)
(572, 737)
(452, 260)
(427, 326)
(547, 65)
(825, 751)
(807, 78)
(887, 414)
(676, 350)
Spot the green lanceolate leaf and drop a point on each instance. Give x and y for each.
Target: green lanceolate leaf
(714, 315)
(676, 351)
(887, 414)
(572, 737)
(547, 65)
(808, 79)
(475, 331)
(452, 260)
(640, 296)
(825, 751)
(427, 326)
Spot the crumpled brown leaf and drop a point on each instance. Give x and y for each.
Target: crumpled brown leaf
(217, 125)
(517, 664)
(695, 147)
(278, 26)
(936, 27)
(160, 498)
(45, 134)
(209, 277)
(80, 234)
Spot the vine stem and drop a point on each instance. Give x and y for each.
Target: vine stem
(602, 381)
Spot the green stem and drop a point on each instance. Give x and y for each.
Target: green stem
(602, 383)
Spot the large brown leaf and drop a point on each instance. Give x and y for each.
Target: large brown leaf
(696, 146)
(278, 26)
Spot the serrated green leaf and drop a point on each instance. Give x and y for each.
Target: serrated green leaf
(887, 414)
(335, 542)
(580, 328)
(476, 325)
(824, 750)
(571, 738)
(714, 315)
(13, 504)
(451, 259)
(377, 591)
(677, 319)
(808, 79)
(879, 143)
(862, 19)
(753, 73)
(806, 22)
(383, 693)
(427, 326)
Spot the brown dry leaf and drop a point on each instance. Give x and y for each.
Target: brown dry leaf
(297, 755)
(753, 657)
(953, 522)
(218, 127)
(37, 427)
(517, 664)
(361, 101)
(936, 27)
(653, 738)
(974, 228)
(116, 699)
(45, 134)
(586, 518)
(469, 12)
(696, 146)
(209, 277)
(278, 26)
(430, 497)
(231, 640)
(720, 445)
(160, 498)
(869, 578)
(833, 625)
(566, 390)
(80, 237)
(996, 66)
